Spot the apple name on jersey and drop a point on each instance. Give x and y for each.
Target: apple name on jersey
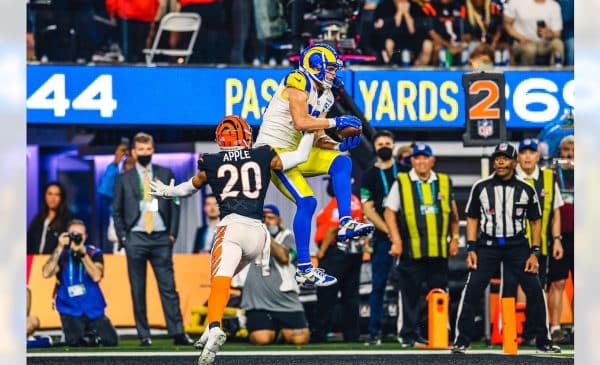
(277, 129)
(236, 155)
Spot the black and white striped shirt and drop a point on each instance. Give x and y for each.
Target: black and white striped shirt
(503, 207)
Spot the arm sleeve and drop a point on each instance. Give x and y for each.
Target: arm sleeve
(289, 241)
(474, 204)
(293, 158)
(558, 200)
(556, 22)
(117, 208)
(107, 181)
(366, 189)
(97, 256)
(175, 210)
(393, 200)
(533, 208)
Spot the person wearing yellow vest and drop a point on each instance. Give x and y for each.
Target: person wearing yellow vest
(545, 184)
(421, 216)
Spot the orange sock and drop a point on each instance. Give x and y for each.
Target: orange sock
(218, 298)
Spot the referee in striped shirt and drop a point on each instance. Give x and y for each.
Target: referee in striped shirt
(497, 211)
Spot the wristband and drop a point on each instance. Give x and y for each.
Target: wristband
(559, 237)
(471, 246)
(535, 250)
(332, 123)
(456, 237)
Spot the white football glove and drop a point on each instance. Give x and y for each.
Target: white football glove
(161, 190)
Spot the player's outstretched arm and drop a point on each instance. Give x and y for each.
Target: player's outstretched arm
(184, 189)
(287, 160)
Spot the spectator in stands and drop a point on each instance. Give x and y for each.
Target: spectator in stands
(397, 29)
(375, 187)
(365, 26)
(483, 25)
(559, 269)
(270, 295)
(535, 35)
(49, 222)
(212, 41)
(135, 18)
(242, 31)
(170, 41)
(422, 218)
(568, 33)
(79, 267)
(205, 234)
(447, 33)
(123, 161)
(343, 260)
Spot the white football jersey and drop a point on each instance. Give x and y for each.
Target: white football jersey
(277, 128)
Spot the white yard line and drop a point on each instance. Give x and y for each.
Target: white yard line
(285, 353)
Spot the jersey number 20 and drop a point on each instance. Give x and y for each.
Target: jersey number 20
(244, 172)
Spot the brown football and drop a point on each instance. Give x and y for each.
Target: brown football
(349, 132)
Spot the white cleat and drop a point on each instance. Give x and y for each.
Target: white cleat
(216, 339)
(202, 340)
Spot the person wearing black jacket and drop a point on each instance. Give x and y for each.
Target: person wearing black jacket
(49, 222)
(497, 213)
(147, 227)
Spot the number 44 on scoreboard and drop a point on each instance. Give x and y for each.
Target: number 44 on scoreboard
(96, 96)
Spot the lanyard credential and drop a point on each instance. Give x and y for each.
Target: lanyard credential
(420, 191)
(386, 187)
(71, 270)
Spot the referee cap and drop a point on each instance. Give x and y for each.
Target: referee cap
(505, 149)
(528, 143)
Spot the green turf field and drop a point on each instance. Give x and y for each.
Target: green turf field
(158, 344)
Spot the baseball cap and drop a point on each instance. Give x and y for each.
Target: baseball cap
(528, 143)
(422, 149)
(505, 149)
(271, 208)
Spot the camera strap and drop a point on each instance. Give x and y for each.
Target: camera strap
(71, 269)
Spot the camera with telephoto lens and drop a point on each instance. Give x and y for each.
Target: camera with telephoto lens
(75, 237)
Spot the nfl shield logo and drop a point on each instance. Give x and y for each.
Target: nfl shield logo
(485, 128)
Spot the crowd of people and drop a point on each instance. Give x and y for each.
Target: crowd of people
(395, 196)
(444, 33)
(406, 217)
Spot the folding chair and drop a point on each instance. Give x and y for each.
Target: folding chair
(175, 22)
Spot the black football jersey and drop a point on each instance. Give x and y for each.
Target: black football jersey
(239, 179)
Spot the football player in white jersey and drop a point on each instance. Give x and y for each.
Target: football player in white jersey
(299, 105)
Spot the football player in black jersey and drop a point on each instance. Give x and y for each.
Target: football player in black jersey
(239, 176)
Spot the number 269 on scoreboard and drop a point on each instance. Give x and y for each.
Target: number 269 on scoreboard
(485, 113)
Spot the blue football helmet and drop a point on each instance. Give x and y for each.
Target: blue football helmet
(315, 59)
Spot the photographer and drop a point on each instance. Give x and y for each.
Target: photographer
(79, 267)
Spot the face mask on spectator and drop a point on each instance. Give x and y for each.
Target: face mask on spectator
(273, 229)
(384, 153)
(144, 160)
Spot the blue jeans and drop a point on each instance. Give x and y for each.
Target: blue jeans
(381, 262)
(569, 51)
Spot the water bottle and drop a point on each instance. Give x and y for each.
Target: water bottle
(405, 56)
(442, 57)
(498, 57)
(558, 62)
(505, 57)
